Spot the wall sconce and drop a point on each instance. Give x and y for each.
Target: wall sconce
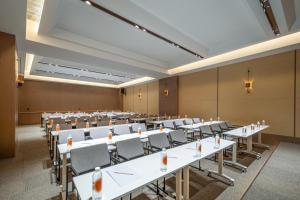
(140, 94)
(166, 92)
(248, 84)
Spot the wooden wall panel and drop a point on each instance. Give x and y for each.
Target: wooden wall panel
(140, 104)
(168, 104)
(149, 101)
(153, 98)
(272, 98)
(37, 96)
(8, 95)
(297, 104)
(198, 94)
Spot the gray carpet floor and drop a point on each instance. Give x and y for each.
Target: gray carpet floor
(280, 178)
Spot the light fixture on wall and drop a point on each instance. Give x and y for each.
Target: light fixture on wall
(166, 91)
(140, 94)
(248, 84)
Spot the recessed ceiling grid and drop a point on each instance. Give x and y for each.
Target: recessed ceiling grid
(45, 68)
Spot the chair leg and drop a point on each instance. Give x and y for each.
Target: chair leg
(157, 189)
(67, 181)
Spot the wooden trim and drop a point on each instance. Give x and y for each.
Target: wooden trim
(295, 91)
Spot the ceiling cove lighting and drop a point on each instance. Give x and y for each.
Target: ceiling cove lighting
(28, 65)
(115, 15)
(277, 43)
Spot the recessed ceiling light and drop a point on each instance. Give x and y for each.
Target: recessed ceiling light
(88, 3)
(136, 26)
(144, 30)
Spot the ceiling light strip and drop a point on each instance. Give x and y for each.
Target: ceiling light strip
(107, 11)
(265, 4)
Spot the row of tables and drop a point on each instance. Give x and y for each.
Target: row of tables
(177, 164)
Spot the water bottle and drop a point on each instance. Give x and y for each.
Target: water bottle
(202, 121)
(139, 131)
(217, 141)
(161, 128)
(210, 120)
(109, 135)
(198, 148)
(263, 122)
(97, 184)
(258, 124)
(164, 160)
(218, 118)
(57, 128)
(69, 142)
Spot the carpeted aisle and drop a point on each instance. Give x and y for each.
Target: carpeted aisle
(280, 178)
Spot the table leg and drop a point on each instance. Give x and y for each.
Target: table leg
(54, 149)
(259, 142)
(249, 144)
(234, 162)
(249, 150)
(219, 174)
(186, 181)
(64, 175)
(179, 184)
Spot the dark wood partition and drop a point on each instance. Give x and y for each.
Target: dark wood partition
(168, 96)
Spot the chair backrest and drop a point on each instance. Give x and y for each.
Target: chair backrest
(216, 127)
(77, 135)
(178, 122)
(81, 125)
(88, 158)
(169, 124)
(65, 126)
(223, 125)
(188, 121)
(99, 132)
(159, 141)
(130, 149)
(206, 130)
(178, 136)
(121, 129)
(196, 120)
(136, 126)
(229, 125)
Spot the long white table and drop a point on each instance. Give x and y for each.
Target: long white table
(198, 125)
(63, 148)
(159, 122)
(238, 133)
(147, 169)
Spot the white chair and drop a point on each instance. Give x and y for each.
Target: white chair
(136, 126)
(86, 159)
(99, 132)
(159, 141)
(169, 124)
(121, 129)
(206, 130)
(178, 137)
(188, 121)
(130, 149)
(77, 135)
(178, 123)
(196, 120)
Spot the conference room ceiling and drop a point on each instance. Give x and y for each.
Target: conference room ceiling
(73, 31)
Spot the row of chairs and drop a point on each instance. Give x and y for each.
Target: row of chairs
(85, 159)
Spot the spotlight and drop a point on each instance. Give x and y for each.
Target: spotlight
(88, 3)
